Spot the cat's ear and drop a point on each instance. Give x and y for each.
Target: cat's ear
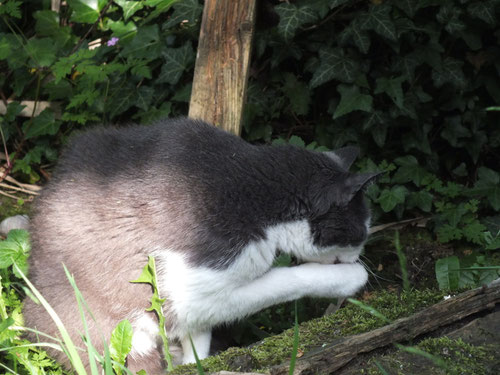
(352, 184)
(345, 156)
(339, 192)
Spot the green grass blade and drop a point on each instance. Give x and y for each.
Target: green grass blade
(295, 348)
(81, 303)
(70, 347)
(369, 309)
(402, 261)
(380, 368)
(199, 367)
(438, 361)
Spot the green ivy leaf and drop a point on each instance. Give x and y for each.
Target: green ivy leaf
(145, 44)
(378, 19)
(129, 7)
(352, 100)
(447, 273)
(334, 65)
(177, 60)
(121, 343)
(185, 10)
(451, 72)
(84, 11)
(390, 198)
(293, 17)
(392, 87)
(144, 97)
(449, 16)
(484, 10)
(409, 170)
(42, 124)
(360, 37)
(410, 7)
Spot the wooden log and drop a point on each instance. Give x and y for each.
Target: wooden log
(331, 358)
(222, 63)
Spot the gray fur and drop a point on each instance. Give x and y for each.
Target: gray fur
(119, 194)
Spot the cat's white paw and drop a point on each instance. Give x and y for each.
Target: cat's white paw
(332, 280)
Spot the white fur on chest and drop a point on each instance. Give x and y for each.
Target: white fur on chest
(202, 297)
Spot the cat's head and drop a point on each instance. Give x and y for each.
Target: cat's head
(339, 217)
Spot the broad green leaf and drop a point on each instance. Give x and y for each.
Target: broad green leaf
(334, 65)
(5, 48)
(129, 7)
(41, 51)
(16, 249)
(421, 199)
(378, 19)
(292, 17)
(84, 11)
(409, 170)
(390, 198)
(47, 24)
(488, 185)
(42, 124)
(184, 11)
(122, 30)
(352, 100)
(484, 10)
(145, 44)
(121, 343)
(177, 60)
(296, 141)
(447, 273)
(392, 87)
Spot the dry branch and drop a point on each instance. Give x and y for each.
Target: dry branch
(327, 360)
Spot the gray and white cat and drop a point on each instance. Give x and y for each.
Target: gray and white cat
(213, 210)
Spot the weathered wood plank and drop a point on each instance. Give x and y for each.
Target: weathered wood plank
(331, 358)
(222, 63)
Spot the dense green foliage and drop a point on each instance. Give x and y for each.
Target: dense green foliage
(414, 83)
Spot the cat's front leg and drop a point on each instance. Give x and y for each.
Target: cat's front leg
(201, 342)
(284, 284)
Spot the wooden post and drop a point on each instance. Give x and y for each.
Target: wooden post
(222, 62)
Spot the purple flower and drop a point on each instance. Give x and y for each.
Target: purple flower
(112, 41)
